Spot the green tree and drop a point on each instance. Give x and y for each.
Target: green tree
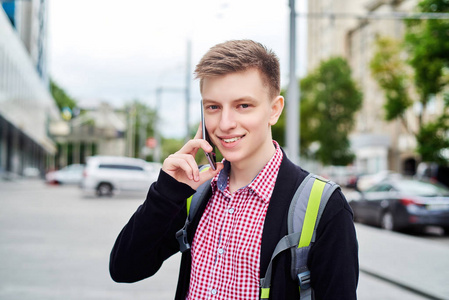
(61, 97)
(427, 46)
(390, 72)
(427, 43)
(329, 100)
(433, 135)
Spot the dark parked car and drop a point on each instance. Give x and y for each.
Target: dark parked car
(399, 204)
(433, 172)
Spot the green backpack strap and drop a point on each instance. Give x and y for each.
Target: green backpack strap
(192, 205)
(304, 215)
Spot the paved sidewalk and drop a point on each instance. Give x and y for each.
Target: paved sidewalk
(405, 261)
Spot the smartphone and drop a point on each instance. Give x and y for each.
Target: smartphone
(211, 158)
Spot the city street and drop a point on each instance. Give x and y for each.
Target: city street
(55, 244)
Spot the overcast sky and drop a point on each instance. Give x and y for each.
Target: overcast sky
(116, 51)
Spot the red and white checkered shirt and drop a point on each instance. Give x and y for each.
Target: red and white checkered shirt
(226, 246)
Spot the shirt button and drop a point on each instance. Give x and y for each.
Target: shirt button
(231, 211)
(220, 251)
(213, 291)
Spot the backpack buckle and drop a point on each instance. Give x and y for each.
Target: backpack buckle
(181, 236)
(304, 280)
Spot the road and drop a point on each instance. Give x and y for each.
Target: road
(55, 244)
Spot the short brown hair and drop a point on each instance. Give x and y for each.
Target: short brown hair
(241, 55)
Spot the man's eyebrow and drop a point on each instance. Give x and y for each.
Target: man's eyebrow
(246, 98)
(240, 99)
(209, 101)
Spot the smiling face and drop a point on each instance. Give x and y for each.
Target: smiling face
(238, 115)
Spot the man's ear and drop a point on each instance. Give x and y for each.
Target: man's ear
(277, 105)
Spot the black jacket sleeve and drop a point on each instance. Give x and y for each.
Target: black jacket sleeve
(333, 259)
(149, 237)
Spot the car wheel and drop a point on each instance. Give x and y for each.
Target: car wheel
(387, 221)
(446, 230)
(104, 189)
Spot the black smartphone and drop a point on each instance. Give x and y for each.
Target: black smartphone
(211, 158)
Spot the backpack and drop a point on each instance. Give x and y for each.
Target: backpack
(304, 215)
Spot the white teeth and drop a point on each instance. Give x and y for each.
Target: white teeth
(231, 140)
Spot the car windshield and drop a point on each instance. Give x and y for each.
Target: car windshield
(421, 188)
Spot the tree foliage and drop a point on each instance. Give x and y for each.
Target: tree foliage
(61, 97)
(329, 101)
(427, 46)
(427, 42)
(389, 70)
(432, 136)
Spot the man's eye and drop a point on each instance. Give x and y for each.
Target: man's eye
(244, 105)
(213, 107)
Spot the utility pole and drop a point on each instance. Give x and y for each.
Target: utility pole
(157, 127)
(131, 129)
(293, 116)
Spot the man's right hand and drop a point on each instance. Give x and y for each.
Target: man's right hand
(183, 167)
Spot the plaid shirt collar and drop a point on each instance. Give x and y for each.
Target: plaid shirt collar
(262, 185)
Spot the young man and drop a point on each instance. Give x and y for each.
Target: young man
(234, 234)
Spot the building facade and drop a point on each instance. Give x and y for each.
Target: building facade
(26, 106)
(349, 29)
(98, 130)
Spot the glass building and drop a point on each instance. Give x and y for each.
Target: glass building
(26, 105)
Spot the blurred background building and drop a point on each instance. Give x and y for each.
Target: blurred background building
(98, 129)
(348, 28)
(33, 135)
(26, 105)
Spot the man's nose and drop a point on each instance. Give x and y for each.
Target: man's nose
(227, 120)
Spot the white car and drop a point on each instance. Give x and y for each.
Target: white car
(108, 175)
(72, 174)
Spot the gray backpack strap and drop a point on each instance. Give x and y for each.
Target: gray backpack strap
(303, 221)
(192, 205)
(287, 242)
(316, 194)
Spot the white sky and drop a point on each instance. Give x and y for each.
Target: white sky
(116, 51)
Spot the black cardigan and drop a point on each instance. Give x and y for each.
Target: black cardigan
(149, 238)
